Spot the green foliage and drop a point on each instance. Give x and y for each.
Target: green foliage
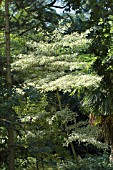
(88, 163)
(29, 17)
(86, 134)
(45, 124)
(50, 126)
(58, 65)
(99, 99)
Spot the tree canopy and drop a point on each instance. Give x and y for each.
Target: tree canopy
(56, 84)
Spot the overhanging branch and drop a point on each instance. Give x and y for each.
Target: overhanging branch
(60, 7)
(52, 3)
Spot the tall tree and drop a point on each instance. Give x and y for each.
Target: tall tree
(9, 88)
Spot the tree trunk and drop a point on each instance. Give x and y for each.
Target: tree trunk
(42, 163)
(8, 58)
(111, 140)
(11, 148)
(9, 87)
(0, 2)
(37, 168)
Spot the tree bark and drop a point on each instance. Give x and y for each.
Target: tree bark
(11, 154)
(111, 140)
(11, 148)
(37, 168)
(8, 58)
(0, 2)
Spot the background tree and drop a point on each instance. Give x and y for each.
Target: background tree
(9, 89)
(57, 66)
(55, 69)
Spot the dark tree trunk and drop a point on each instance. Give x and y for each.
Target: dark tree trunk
(111, 142)
(42, 163)
(9, 87)
(37, 168)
